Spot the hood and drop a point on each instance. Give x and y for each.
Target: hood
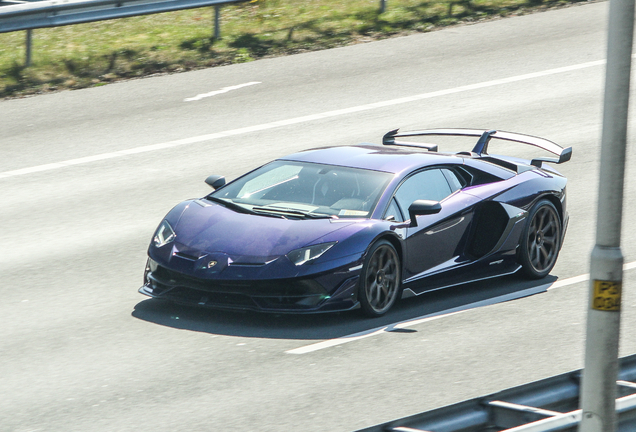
(209, 227)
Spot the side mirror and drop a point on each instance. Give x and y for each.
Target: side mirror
(215, 181)
(423, 207)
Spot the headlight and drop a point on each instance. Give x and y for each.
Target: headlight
(301, 256)
(164, 235)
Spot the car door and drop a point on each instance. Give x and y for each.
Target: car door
(436, 243)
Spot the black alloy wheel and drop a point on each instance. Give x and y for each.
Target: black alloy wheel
(380, 279)
(541, 240)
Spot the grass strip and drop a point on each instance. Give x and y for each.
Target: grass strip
(95, 54)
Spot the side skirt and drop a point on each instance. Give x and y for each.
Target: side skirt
(424, 285)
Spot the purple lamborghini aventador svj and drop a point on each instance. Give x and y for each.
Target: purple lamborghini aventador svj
(361, 226)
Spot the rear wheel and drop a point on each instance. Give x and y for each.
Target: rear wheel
(380, 279)
(541, 240)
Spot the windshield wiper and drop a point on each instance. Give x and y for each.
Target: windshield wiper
(311, 215)
(239, 208)
(293, 213)
(230, 205)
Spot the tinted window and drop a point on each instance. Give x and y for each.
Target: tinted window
(428, 185)
(393, 212)
(454, 180)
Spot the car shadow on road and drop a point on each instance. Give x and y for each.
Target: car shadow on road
(334, 325)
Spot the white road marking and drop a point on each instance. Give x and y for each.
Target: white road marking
(585, 277)
(408, 323)
(443, 314)
(218, 92)
(297, 120)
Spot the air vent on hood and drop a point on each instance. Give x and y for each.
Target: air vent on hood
(245, 264)
(185, 256)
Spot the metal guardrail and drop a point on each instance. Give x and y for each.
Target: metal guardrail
(30, 15)
(53, 13)
(549, 405)
(15, 2)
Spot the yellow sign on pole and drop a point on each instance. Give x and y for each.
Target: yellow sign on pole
(607, 295)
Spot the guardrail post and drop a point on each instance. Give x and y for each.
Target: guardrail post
(217, 22)
(29, 37)
(598, 387)
(382, 6)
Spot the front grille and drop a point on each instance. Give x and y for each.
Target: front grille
(281, 287)
(296, 294)
(192, 296)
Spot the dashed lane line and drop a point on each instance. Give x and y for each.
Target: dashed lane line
(218, 92)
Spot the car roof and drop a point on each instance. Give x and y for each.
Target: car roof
(374, 157)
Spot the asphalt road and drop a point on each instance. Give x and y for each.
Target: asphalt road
(86, 176)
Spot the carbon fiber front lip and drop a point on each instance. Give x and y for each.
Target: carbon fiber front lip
(325, 308)
(291, 296)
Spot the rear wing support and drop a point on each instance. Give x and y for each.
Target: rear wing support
(481, 147)
(389, 139)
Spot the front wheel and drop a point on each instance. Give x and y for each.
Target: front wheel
(541, 240)
(380, 279)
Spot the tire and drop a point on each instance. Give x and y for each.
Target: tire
(379, 286)
(541, 240)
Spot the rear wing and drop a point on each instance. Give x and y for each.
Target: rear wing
(481, 147)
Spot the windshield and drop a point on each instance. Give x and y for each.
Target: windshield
(301, 189)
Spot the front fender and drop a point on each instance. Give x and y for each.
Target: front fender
(354, 242)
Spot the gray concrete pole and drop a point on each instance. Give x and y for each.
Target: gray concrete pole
(598, 387)
(382, 6)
